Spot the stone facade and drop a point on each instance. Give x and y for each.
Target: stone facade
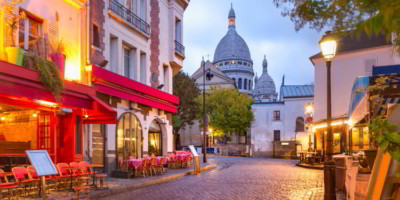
(98, 19)
(155, 42)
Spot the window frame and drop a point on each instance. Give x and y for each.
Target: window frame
(27, 29)
(276, 115)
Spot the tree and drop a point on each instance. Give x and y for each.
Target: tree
(345, 16)
(186, 89)
(228, 111)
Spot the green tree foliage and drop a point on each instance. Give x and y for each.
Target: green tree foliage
(185, 88)
(228, 111)
(345, 16)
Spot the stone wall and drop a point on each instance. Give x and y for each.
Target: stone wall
(232, 149)
(284, 149)
(98, 18)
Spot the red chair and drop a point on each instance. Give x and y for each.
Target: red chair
(141, 168)
(65, 174)
(160, 166)
(9, 187)
(153, 165)
(22, 177)
(81, 177)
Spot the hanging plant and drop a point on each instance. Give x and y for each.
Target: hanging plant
(49, 74)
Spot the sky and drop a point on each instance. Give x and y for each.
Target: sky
(264, 29)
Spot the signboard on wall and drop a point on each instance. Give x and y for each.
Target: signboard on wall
(42, 162)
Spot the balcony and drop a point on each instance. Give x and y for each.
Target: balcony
(128, 17)
(180, 49)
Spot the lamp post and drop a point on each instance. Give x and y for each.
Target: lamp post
(205, 121)
(328, 50)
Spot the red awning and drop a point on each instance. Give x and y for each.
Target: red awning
(101, 113)
(113, 84)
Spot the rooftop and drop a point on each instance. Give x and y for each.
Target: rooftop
(297, 91)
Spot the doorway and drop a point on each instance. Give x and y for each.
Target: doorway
(155, 139)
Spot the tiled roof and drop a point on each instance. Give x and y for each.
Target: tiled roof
(353, 42)
(297, 91)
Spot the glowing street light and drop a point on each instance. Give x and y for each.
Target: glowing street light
(328, 49)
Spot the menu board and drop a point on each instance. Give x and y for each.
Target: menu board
(193, 150)
(42, 162)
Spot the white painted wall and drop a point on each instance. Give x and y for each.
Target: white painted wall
(345, 68)
(263, 126)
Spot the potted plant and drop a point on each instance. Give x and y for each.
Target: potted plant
(58, 54)
(381, 132)
(15, 55)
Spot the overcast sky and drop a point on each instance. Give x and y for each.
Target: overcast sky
(261, 25)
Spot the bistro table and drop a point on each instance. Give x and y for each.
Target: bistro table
(94, 172)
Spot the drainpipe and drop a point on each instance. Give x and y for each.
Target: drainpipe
(88, 43)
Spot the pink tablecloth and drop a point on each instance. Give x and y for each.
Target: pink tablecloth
(134, 163)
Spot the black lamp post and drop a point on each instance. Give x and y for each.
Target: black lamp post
(328, 50)
(209, 76)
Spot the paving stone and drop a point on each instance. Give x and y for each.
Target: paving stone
(240, 178)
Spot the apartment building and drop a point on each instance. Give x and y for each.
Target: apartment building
(136, 49)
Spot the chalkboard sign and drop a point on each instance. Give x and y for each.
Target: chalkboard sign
(42, 162)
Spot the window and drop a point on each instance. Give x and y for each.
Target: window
(240, 83)
(300, 124)
(96, 36)
(226, 63)
(250, 85)
(178, 30)
(113, 54)
(128, 138)
(143, 10)
(127, 66)
(234, 80)
(277, 115)
(132, 5)
(166, 78)
(277, 135)
(78, 135)
(29, 33)
(240, 63)
(220, 64)
(245, 84)
(143, 68)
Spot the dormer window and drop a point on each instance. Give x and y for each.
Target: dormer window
(239, 63)
(233, 62)
(226, 63)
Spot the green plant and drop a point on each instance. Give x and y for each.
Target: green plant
(59, 46)
(13, 23)
(49, 74)
(386, 135)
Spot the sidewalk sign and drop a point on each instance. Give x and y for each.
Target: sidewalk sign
(44, 166)
(196, 159)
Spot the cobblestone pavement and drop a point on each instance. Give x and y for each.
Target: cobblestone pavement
(239, 178)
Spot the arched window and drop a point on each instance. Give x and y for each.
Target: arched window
(240, 83)
(245, 84)
(155, 139)
(128, 139)
(234, 80)
(299, 124)
(250, 85)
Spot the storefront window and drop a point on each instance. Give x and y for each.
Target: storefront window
(129, 138)
(365, 138)
(336, 143)
(155, 139)
(355, 139)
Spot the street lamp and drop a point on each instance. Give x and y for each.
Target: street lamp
(328, 50)
(209, 76)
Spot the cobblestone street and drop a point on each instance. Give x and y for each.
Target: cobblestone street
(239, 178)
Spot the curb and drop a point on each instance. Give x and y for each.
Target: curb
(309, 167)
(153, 182)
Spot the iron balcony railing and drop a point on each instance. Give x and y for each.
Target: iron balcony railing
(179, 48)
(129, 16)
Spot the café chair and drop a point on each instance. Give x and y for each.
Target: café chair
(81, 177)
(23, 179)
(141, 169)
(9, 188)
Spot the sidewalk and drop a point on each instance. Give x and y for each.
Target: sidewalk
(118, 185)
